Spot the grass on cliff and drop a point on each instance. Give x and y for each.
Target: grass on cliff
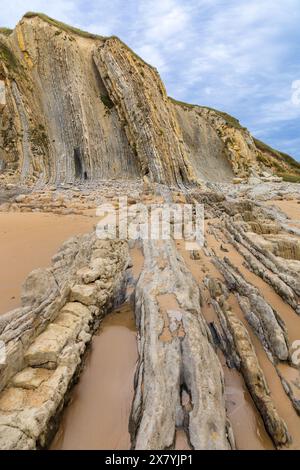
(70, 29)
(6, 31)
(38, 136)
(7, 56)
(289, 178)
(230, 120)
(132, 52)
(65, 27)
(281, 156)
(183, 104)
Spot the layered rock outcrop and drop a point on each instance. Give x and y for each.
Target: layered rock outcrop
(46, 338)
(77, 112)
(241, 347)
(227, 310)
(75, 106)
(176, 358)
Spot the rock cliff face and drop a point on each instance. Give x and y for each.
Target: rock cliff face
(75, 106)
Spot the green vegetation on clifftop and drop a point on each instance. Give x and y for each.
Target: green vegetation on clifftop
(65, 27)
(284, 157)
(290, 178)
(70, 29)
(6, 31)
(230, 120)
(132, 52)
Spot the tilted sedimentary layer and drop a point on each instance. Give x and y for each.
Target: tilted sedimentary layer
(46, 338)
(176, 358)
(240, 346)
(80, 108)
(228, 310)
(75, 106)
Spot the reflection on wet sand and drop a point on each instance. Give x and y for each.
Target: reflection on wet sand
(98, 415)
(181, 440)
(247, 424)
(280, 398)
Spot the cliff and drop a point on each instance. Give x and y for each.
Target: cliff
(76, 106)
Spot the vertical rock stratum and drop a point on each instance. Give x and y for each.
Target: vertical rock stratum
(76, 106)
(84, 122)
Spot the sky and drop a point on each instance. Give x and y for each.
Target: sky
(238, 56)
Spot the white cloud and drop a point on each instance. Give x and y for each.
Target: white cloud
(163, 20)
(152, 55)
(62, 10)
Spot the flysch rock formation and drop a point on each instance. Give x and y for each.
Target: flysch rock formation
(75, 106)
(84, 121)
(46, 338)
(176, 357)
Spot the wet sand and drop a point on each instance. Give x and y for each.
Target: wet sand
(247, 424)
(137, 259)
(98, 415)
(290, 207)
(285, 311)
(292, 321)
(28, 241)
(181, 440)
